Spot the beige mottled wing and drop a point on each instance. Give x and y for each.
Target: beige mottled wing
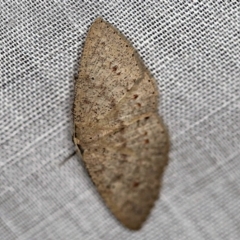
(117, 127)
(126, 167)
(109, 69)
(140, 101)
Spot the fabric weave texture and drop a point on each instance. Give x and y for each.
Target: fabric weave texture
(193, 50)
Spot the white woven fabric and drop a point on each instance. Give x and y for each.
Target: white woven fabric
(193, 50)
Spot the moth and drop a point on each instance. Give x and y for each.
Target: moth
(118, 131)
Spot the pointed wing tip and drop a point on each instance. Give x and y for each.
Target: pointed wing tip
(99, 19)
(133, 226)
(132, 220)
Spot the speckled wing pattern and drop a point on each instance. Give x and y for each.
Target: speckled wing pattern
(118, 131)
